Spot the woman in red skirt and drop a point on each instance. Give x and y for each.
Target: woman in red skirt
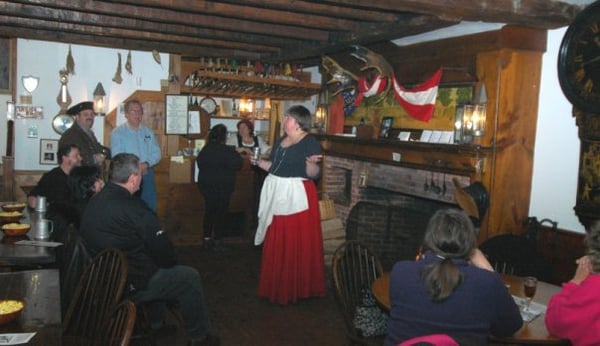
(288, 216)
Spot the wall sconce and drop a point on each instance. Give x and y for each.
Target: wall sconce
(470, 119)
(99, 100)
(246, 107)
(30, 83)
(479, 116)
(322, 111)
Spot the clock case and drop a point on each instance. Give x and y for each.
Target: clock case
(574, 89)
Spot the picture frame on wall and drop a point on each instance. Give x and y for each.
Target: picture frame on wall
(6, 68)
(386, 127)
(48, 149)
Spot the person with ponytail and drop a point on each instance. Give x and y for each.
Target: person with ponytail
(451, 289)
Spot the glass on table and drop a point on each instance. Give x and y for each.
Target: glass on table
(529, 288)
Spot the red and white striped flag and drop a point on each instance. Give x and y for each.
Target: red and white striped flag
(419, 102)
(366, 90)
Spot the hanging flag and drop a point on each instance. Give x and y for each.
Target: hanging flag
(366, 90)
(419, 102)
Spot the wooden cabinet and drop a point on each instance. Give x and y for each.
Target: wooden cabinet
(588, 184)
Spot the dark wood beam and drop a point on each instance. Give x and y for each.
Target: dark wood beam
(542, 13)
(56, 8)
(121, 43)
(266, 14)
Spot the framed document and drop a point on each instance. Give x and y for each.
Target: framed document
(176, 115)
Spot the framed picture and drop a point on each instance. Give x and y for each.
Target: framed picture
(386, 127)
(176, 115)
(6, 66)
(48, 149)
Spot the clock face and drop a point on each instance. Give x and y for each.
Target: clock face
(62, 122)
(209, 105)
(579, 60)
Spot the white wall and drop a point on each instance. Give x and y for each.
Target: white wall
(556, 161)
(92, 65)
(556, 146)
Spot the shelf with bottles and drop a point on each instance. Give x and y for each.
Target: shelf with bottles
(223, 79)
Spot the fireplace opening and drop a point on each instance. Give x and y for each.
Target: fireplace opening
(340, 179)
(391, 224)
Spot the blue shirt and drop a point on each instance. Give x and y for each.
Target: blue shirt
(142, 143)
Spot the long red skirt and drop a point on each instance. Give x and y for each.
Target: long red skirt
(292, 257)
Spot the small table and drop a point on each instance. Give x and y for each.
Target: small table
(27, 256)
(531, 332)
(40, 289)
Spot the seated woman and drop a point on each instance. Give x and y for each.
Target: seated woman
(574, 313)
(246, 140)
(451, 289)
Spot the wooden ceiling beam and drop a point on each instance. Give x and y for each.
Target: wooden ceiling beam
(123, 43)
(177, 30)
(322, 8)
(542, 13)
(266, 14)
(133, 34)
(56, 8)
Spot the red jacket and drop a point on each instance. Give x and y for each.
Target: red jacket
(574, 313)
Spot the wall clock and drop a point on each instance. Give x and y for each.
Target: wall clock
(579, 60)
(209, 105)
(62, 122)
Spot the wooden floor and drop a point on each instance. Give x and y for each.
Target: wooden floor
(239, 317)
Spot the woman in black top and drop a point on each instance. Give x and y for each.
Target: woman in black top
(217, 167)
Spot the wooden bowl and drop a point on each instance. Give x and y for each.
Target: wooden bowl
(16, 229)
(10, 310)
(14, 206)
(10, 216)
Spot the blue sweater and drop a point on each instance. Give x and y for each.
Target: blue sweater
(479, 307)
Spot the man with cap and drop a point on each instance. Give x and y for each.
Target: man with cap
(81, 134)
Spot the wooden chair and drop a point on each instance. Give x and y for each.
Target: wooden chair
(355, 268)
(118, 329)
(99, 290)
(72, 259)
(515, 255)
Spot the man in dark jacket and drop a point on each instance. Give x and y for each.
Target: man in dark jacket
(115, 218)
(82, 135)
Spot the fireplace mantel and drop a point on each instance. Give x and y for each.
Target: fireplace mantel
(460, 159)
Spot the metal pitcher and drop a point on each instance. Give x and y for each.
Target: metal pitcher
(43, 229)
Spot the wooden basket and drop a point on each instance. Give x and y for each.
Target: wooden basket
(327, 209)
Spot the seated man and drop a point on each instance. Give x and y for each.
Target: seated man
(115, 218)
(54, 185)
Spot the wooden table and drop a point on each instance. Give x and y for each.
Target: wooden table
(533, 332)
(27, 256)
(40, 289)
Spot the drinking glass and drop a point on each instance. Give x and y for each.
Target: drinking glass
(529, 287)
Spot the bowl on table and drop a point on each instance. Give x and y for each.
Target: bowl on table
(10, 216)
(10, 309)
(15, 229)
(14, 206)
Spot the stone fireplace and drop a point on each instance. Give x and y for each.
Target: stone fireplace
(386, 207)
